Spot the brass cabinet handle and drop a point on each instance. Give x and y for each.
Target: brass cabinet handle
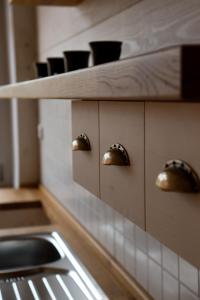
(81, 143)
(178, 176)
(116, 155)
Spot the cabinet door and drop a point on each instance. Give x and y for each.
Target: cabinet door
(172, 132)
(122, 187)
(86, 163)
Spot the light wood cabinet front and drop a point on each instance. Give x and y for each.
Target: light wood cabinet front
(122, 187)
(86, 163)
(172, 132)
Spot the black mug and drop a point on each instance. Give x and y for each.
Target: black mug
(105, 51)
(76, 59)
(41, 69)
(55, 65)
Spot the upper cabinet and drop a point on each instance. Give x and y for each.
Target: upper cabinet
(172, 169)
(47, 2)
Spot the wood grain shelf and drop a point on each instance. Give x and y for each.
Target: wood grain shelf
(46, 2)
(172, 74)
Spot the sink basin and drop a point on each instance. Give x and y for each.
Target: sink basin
(26, 252)
(42, 266)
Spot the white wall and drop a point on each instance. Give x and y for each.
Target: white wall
(22, 53)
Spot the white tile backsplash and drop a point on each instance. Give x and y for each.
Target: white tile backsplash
(141, 268)
(141, 239)
(155, 280)
(130, 256)
(110, 239)
(119, 222)
(129, 229)
(152, 264)
(119, 247)
(185, 294)
(170, 261)
(154, 248)
(170, 287)
(189, 275)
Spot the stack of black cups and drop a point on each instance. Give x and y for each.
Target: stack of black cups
(102, 52)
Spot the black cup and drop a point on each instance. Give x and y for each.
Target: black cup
(55, 65)
(75, 60)
(105, 51)
(41, 70)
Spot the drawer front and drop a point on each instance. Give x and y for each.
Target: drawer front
(122, 187)
(86, 163)
(172, 132)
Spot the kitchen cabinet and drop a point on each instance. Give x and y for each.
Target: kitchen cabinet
(172, 132)
(122, 187)
(153, 134)
(86, 163)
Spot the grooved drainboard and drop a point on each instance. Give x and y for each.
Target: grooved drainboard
(44, 286)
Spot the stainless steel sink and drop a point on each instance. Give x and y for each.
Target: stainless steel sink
(43, 267)
(26, 251)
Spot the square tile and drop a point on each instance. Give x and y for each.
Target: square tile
(119, 222)
(154, 248)
(119, 247)
(94, 229)
(102, 229)
(170, 287)
(185, 294)
(141, 239)
(188, 275)
(110, 239)
(129, 229)
(129, 258)
(170, 261)
(155, 280)
(142, 268)
(99, 205)
(110, 215)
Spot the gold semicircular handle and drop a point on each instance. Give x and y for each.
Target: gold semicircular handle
(81, 143)
(178, 176)
(116, 155)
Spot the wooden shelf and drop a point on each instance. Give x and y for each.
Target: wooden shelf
(46, 2)
(172, 74)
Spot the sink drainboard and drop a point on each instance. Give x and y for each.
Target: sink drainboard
(64, 279)
(43, 287)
